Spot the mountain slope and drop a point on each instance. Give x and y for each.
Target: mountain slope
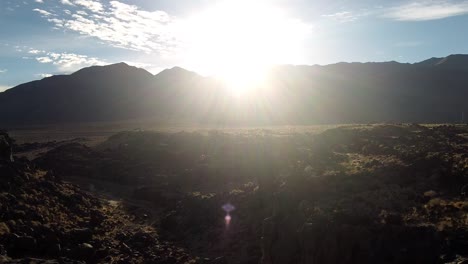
(98, 93)
(430, 91)
(453, 62)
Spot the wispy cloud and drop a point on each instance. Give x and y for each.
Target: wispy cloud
(70, 61)
(39, 1)
(118, 24)
(44, 59)
(3, 70)
(66, 2)
(66, 62)
(351, 15)
(43, 75)
(35, 51)
(43, 12)
(344, 16)
(427, 10)
(92, 5)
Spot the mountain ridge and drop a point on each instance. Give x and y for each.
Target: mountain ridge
(428, 91)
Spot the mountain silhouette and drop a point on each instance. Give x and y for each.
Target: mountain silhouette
(434, 90)
(452, 62)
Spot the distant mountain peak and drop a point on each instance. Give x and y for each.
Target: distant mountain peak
(177, 72)
(454, 62)
(120, 64)
(116, 68)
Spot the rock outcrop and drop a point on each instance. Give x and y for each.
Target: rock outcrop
(5, 147)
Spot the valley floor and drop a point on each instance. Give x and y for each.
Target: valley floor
(348, 194)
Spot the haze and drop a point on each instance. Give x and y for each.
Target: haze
(233, 40)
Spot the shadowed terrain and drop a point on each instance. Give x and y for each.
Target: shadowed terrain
(46, 220)
(352, 194)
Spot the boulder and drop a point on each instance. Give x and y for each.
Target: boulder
(6, 143)
(83, 251)
(80, 235)
(4, 230)
(21, 245)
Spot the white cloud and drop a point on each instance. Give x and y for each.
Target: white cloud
(427, 10)
(59, 23)
(121, 25)
(67, 62)
(43, 75)
(44, 59)
(34, 51)
(39, 1)
(351, 15)
(42, 12)
(4, 88)
(66, 2)
(345, 16)
(81, 13)
(92, 5)
(3, 70)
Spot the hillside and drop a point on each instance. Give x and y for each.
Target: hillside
(430, 91)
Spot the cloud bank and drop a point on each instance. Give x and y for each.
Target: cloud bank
(427, 10)
(116, 23)
(65, 62)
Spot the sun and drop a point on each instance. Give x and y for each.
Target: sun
(239, 40)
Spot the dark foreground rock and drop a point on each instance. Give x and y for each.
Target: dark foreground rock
(44, 220)
(354, 194)
(6, 143)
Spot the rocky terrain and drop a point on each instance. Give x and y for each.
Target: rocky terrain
(45, 220)
(352, 194)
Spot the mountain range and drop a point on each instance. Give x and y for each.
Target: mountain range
(431, 91)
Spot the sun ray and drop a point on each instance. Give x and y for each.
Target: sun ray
(238, 41)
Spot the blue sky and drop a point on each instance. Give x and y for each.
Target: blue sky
(39, 38)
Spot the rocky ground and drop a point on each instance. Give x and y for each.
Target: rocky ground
(45, 220)
(354, 194)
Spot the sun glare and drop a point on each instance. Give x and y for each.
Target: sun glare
(239, 40)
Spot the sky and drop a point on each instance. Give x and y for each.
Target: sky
(40, 38)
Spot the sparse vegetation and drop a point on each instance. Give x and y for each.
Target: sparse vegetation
(353, 194)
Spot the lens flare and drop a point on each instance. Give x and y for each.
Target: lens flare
(227, 219)
(228, 208)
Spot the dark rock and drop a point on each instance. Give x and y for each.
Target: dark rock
(20, 245)
(6, 143)
(460, 245)
(83, 251)
(4, 229)
(80, 235)
(54, 250)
